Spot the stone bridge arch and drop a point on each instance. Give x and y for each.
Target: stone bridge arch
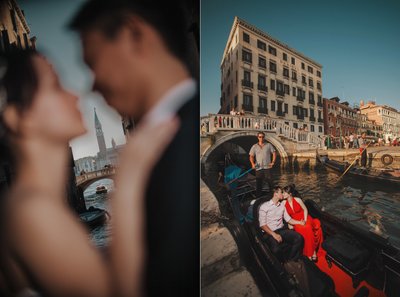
(221, 139)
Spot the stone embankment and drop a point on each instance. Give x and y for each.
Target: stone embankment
(222, 273)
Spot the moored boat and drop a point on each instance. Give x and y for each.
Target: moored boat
(373, 174)
(93, 217)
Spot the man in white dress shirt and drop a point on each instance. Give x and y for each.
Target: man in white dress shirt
(270, 216)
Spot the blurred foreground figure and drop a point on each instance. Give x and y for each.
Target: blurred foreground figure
(136, 51)
(43, 245)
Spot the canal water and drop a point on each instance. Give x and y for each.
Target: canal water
(372, 206)
(100, 234)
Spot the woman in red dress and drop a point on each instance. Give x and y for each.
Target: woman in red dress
(311, 231)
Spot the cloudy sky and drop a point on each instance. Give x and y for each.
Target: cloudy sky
(47, 20)
(357, 42)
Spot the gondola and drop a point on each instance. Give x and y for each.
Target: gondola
(93, 217)
(352, 262)
(381, 175)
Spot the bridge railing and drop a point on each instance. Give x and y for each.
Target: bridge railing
(94, 174)
(213, 123)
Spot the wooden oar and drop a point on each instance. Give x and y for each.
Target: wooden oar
(241, 175)
(352, 163)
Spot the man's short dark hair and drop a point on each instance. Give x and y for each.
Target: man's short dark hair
(277, 188)
(108, 16)
(263, 134)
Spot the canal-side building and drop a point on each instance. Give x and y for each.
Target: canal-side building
(367, 126)
(260, 75)
(339, 118)
(383, 115)
(14, 29)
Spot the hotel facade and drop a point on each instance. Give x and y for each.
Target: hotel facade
(383, 115)
(262, 76)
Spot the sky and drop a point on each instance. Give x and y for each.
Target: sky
(48, 21)
(357, 43)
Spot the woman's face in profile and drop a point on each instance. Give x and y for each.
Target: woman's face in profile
(54, 113)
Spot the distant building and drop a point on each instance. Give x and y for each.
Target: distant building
(14, 29)
(14, 33)
(339, 118)
(263, 76)
(383, 115)
(105, 156)
(85, 164)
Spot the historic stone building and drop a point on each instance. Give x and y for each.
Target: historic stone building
(263, 76)
(14, 29)
(339, 118)
(105, 156)
(385, 116)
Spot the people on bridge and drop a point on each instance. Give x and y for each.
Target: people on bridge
(271, 215)
(260, 159)
(43, 245)
(311, 230)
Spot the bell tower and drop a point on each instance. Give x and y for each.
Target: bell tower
(100, 136)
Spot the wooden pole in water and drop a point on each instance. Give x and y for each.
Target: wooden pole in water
(352, 163)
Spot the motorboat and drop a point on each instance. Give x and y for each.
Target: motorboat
(93, 217)
(101, 189)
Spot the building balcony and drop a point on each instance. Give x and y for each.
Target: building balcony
(247, 83)
(280, 113)
(263, 110)
(311, 101)
(319, 104)
(249, 108)
(300, 117)
(300, 98)
(262, 88)
(280, 92)
(262, 66)
(320, 120)
(312, 119)
(294, 79)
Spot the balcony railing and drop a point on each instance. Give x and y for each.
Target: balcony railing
(247, 83)
(263, 110)
(262, 88)
(300, 117)
(320, 120)
(312, 119)
(280, 113)
(299, 98)
(311, 101)
(280, 92)
(319, 104)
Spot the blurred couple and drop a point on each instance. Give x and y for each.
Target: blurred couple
(136, 51)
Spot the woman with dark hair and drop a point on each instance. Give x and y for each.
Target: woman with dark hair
(311, 231)
(44, 246)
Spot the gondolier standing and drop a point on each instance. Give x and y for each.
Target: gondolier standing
(260, 159)
(362, 143)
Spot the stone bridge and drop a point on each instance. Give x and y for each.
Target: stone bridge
(237, 134)
(85, 180)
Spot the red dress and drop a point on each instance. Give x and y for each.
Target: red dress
(311, 231)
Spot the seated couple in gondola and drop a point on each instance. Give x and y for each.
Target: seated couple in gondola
(307, 234)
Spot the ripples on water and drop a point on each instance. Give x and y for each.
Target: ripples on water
(100, 234)
(368, 205)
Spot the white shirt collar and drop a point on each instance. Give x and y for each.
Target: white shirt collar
(171, 101)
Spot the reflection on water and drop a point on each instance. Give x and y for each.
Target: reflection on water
(100, 234)
(372, 206)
